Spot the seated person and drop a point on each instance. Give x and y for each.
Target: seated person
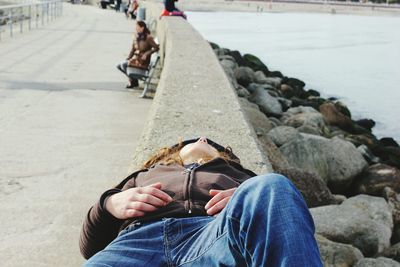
(140, 54)
(194, 204)
(171, 10)
(130, 9)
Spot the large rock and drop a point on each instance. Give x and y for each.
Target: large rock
(379, 262)
(283, 134)
(314, 102)
(389, 155)
(294, 83)
(301, 116)
(255, 117)
(237, 56)
(221, 51)
(269, 105)
(285, 103)
(334, 117)
(375, 178)
(334, 160)
(311, 186)
(366, 123)
(343, 108)
(388, 141)
(393, 200)
(259, 77)
(242, 92)
(244, 75)
(337, 254)
(363, 139)
(367, 154)
(269, 149)
(228, 62)
(362, 221)
(255, 63)
(286, 90)
(393, 252)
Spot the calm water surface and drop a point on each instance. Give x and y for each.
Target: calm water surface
(355, 58)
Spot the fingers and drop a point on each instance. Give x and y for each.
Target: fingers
(218, 195)
(156, 185)
(218, 206)
(141, 206)
(151, 199)
(154, 191)
(136, 202)
(213, 192)
(133, 213)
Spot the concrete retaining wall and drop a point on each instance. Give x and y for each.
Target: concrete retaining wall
(194, 97)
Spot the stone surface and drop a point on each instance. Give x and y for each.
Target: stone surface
(300, 116)
(311, 186)
(337, 254)
(335, 160)
(393, 200)
(334, 117)
(283, 134)
(269, 105)
(256, 118)
(362, 221)
(393, 252)
(244, 75)
(255, 63)
(259, 77)
(379, 262)
(375, 178)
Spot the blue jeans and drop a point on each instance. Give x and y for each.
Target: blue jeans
(266, 223)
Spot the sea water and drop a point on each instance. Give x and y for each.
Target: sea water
(354, 58)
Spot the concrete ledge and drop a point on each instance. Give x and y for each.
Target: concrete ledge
(194, 98)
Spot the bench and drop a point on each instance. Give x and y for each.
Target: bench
(146, 75)
(139, 74)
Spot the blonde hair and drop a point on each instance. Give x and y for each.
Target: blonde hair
(170, 155)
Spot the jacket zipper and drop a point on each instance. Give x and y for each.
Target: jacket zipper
(189, 171)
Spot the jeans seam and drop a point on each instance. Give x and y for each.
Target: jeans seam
(238, 221)
(166, 247)
(205, 250)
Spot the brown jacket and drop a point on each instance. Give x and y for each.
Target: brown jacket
(189, 187)
(143, 47)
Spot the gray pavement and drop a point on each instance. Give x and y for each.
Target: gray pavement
(68, 131)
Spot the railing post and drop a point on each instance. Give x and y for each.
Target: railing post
(37, 15)
(21, 19)
(47, 11)
(30, 17)
(42, 14)
(10, 17)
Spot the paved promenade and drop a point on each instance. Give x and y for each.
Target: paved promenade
(68, 130)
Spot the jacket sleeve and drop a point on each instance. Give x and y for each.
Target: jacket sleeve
(99, 228)
(132, 52)
(154, 46)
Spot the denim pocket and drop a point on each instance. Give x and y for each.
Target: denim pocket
(133, 226)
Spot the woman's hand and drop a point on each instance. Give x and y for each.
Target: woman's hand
(144, 57)
(136, 202)
(219, 200)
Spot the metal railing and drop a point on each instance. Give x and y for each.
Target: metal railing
(28, 15)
